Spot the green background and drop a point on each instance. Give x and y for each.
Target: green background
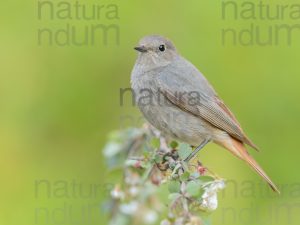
(58, 103)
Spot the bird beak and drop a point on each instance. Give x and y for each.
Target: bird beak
(140, 49)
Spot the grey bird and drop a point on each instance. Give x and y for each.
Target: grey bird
(176, 98)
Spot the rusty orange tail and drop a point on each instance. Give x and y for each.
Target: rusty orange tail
(238, 149)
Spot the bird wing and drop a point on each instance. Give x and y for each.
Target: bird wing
(189, 90)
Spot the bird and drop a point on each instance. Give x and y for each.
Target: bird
(176, 98)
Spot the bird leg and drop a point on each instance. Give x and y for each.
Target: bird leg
(192, 155)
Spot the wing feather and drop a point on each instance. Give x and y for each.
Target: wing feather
(209, 107)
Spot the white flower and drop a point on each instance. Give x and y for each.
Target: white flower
(129, 208)
(111, 149)
(134, 191)
(165, 222)
(132, 179)
(209, 198)
(150, 217)
(116, 193)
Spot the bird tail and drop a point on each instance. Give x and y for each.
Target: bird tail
(238, 149)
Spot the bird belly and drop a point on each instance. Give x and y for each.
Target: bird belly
(177, 123)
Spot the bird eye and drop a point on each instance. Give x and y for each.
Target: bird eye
(162, 48)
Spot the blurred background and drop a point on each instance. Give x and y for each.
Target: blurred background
(59, 100)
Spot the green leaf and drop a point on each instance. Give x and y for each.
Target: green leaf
(157, 158)
(205, 179)
(184, 150)
(185, 176)
(193, 189)
(146, 154)
(173, 196)
(201, 192)
(155, 142)
(174, 186)
(173, 144)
